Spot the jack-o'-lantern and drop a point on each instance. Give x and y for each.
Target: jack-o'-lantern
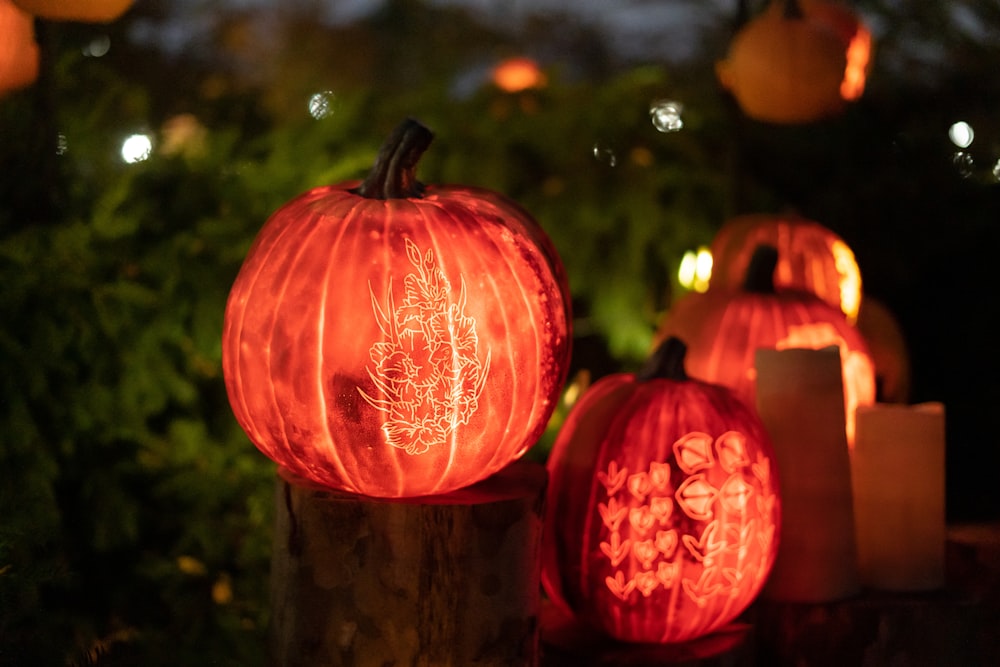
(18, 50)
(663, 508)
(726, 328)
(799, 61)
(811, 257)
(85, 11)
(393, 339)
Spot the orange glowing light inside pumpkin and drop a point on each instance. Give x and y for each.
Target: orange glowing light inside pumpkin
(858, 54)
(858, 370)
(516, 74)
(850, 279)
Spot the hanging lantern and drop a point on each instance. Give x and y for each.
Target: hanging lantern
(663, 508)
(726, 328)
(18, 50)
(392, 339)
(799, 61)
(84, 11)
(811, 257)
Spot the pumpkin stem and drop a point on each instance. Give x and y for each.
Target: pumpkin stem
(393, 176)
(666, 362)
(759, 278)
(793, 10)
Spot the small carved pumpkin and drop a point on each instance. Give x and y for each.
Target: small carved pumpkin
(663, 507)
(811, 257)
(726, 328)
(790, 63)
(395, 340)
(18, 50)
(84, 11)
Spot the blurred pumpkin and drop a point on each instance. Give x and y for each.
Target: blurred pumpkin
(18, 49)
(726, 328)
(790, 64)
(811, 257)
(84, 11)
(889, 350)
(663, 508)
(394, 339)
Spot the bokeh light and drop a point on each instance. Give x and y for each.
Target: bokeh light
(666, 115)
(136, 148)
(961, 134)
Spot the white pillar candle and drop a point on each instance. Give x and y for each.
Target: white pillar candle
(800, 398)
(899, 495)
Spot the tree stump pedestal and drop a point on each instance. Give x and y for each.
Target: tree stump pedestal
(448, 580)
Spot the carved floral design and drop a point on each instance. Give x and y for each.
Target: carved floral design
(724, 554)
(427, 373)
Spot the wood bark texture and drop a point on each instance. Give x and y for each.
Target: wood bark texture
(449, 580)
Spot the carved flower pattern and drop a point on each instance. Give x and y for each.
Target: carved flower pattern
(427, 373)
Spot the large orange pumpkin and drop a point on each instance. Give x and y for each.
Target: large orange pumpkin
(18, 50)
(85, 11)
(726, 328)
(811, 257)
(663, 509)
(791, 63)
(392, 339)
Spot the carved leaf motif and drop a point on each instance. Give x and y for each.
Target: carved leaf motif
(612, 514)
(695, 496)
(735, 494)
(700, 591)
(618, 586)
(694, 452)
(762, 470)
(614, 479)
(705, 548)
(666, 573)
(615, 549)
(731, 448)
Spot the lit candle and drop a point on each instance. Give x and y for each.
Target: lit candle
(898, 468)
(800, 398)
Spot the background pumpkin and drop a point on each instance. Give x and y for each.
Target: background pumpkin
(726, 328)
(811, 257)
(86, 11)
(785, 67)
(18, 50)
(396, 340)
(663, 508)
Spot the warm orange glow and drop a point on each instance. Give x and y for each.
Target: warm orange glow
(87, 11)
(519, 73)
(663, 514)
(858, 55)
(858, 370)
(850, 279)
(18, 50)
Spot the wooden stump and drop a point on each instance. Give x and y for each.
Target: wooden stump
(439, 580)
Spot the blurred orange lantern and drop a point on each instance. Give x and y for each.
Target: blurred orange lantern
(392, 339)
(726, 328)
(811, 257)
(663, 509)
(797, 62)
(18, 50)
(518, 73)
(85, 11)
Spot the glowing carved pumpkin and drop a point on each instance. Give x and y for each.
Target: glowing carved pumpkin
(18, 50)
(86, 11)
(726, 328)
(795, 63)
(518, 73)
(811, 257)
(663, 509)
(392, 339)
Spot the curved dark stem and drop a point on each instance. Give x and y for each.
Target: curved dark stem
(393, 176)
(666, 362)
(759, 278)
(793, 10)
